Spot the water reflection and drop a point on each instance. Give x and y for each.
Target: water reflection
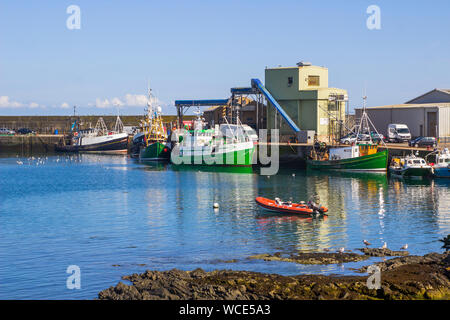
(109, 210)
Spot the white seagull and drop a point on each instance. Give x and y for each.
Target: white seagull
(341, 250)
(384, 246)
(404, 247)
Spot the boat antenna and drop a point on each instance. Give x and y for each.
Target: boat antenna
(149, 101)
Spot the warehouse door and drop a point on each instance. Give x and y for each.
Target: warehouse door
(432, 124)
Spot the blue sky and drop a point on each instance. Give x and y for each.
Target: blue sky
(200, 49)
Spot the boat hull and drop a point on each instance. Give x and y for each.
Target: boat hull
(376, 162)
(241, 157)
(112, 145)
(295, 208)
(155, 151)
(442, 172)
(411, 172)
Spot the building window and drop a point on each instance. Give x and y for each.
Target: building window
(313, 81)
(333, 106)
(290, 81)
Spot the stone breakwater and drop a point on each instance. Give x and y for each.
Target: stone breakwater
(409, 277)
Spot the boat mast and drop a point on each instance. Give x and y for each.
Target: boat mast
(118, 127)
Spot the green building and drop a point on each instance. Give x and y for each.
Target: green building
(303, 93)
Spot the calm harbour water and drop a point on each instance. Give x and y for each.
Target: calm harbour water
(113, 216)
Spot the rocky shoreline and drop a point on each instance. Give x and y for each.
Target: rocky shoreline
(406, 277)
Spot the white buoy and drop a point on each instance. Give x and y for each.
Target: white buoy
(215, 205)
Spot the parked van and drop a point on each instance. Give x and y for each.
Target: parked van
(398, 133)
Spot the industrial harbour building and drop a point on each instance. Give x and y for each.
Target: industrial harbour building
(303, 93)
(298, 101)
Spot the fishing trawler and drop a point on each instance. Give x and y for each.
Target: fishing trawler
(224, 145)
(96, 140)
(362, 155)
(153, 137)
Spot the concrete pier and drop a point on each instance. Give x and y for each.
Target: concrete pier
(26, 144)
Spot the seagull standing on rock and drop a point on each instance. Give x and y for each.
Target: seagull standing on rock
(367, 243)
(384, 246)
(341, 250)
(404, 247)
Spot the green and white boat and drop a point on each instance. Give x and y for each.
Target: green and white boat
(226, 144)
(361, 156)
(410, 166)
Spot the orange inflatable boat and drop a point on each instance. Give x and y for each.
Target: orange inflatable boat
(287, 207)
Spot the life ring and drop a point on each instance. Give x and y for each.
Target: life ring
(76, 134)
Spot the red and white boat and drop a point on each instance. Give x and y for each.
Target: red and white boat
(288, 207)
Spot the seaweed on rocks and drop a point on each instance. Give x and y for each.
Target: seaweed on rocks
(409, 277)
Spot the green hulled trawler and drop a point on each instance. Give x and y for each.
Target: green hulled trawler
(362, 156)
(154, 144)
(224, 145)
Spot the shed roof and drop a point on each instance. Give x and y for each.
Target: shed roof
(445, 91)
(407, 106)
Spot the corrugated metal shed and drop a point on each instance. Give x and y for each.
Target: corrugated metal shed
(444, 121)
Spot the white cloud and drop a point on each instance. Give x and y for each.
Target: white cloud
(34, 105)
(64, 105)
(117, 102)
(6, 103)
(135, 100)
(99, 103)
(129, 100)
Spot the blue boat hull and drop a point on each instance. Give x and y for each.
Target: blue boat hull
(442, 172)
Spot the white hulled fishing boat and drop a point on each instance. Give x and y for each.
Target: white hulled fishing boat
(98, 139)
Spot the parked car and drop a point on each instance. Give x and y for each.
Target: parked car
(377, 137)
(348, 139)
(423, 142)
(25, 131)
(6, 131)
(351, 138)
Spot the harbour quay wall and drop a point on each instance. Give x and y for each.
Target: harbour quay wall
(27, 144)
(48, 124)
